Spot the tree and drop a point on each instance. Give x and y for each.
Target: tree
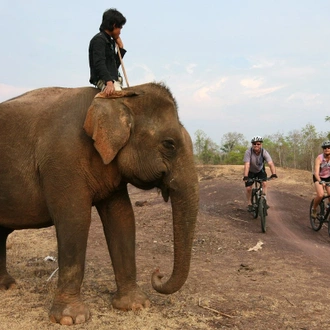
(294, 140)
(311, 142)
(206, 151)
(232, 139)
(236, 155)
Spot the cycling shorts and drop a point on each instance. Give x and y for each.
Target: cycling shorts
(260, 175)
(322, 179)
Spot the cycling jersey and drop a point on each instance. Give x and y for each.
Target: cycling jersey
(324, 167)
(256, 161)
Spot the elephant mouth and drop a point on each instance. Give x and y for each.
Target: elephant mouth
(159, 184)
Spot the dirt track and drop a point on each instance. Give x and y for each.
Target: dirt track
(283, 285)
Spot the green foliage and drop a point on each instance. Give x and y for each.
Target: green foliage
(235, 156)
(206, 151)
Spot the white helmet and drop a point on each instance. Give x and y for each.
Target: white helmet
(256, 139)
(325, 144)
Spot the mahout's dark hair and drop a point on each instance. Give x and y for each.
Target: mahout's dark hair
(112, 17)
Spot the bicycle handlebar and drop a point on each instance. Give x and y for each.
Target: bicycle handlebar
(260, 180)
(325, 183)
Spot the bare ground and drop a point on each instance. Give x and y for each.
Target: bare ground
(283, 285)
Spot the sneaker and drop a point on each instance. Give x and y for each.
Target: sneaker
(314, 214)
(250, 208)
(117, 85)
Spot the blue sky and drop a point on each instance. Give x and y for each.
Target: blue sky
(255, 67)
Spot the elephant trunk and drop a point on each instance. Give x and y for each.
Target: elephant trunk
(184, 200)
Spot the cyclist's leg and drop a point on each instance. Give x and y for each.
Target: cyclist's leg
(327, 188)
(263, 176)
(319, 193)
(248, 189)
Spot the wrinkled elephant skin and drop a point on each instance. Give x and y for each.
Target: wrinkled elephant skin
(64, 150)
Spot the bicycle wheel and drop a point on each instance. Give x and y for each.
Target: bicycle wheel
(254, 202)
(317, 222)
(263, 213)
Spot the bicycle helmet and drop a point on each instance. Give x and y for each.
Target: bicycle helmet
(256, 139)
(325, 144)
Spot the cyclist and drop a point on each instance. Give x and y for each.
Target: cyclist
(254, 167)
(321, 175)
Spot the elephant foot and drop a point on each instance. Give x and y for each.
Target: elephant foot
(7, 282)
(75, 312)
(133, 300)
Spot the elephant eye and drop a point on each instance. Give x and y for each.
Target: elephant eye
(169, 144)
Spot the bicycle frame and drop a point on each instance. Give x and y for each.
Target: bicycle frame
(258, 201)
(322, 214)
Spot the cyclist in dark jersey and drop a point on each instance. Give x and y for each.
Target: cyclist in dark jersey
(321, 175)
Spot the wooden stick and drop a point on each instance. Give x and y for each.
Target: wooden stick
(214, 310)
(236, 219)
(122, 65)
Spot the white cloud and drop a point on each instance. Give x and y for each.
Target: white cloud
(207, 92)
(305, 98)
(253, 87)
(252, 82)
(263, 64)
(190, 68)
(262, 91)
(139, 74)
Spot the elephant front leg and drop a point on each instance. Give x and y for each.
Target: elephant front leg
(68, 307)
(6, 281)
(119, 227)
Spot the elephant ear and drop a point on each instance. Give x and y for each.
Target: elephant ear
(108, 123)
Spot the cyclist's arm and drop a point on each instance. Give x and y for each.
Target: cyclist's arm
(272, 167)
(317, 168)
(246, 168)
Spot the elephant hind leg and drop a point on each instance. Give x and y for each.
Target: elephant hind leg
(6, 281)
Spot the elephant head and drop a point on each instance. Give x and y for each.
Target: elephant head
(141, 133)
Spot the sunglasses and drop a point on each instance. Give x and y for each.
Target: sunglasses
(256, 143)
(326, 148)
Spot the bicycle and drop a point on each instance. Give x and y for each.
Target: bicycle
(323, 213)
(258, 201)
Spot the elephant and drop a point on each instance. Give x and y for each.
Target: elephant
(65, 150)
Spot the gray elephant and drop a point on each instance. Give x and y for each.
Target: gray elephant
(64, 150)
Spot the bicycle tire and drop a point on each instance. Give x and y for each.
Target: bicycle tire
(254, 202)
(263, 213)
(317, 222)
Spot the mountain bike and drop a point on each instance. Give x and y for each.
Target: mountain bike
(323, 212)
(258, 201)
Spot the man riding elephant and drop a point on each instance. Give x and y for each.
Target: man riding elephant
(64, 150)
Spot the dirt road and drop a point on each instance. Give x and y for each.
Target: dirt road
(283, 285)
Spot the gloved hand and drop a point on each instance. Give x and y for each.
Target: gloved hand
(245, 178)
(273, 176)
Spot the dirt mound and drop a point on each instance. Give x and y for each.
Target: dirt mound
(240, 278)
